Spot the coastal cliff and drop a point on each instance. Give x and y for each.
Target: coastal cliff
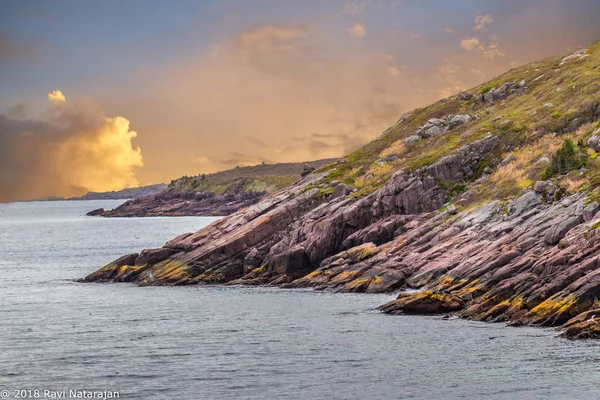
(485, 203)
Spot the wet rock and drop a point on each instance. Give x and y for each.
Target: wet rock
(97, 211)
(584, 326)
(423, 303)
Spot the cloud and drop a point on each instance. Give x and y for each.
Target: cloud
(471, 44)
(493, 51)
(56, 97)
(481, 21)
(415, 35)
(358, 30)
(263, 95)
(269, 39)
(449, 30)
(74, 151)
(490, 52)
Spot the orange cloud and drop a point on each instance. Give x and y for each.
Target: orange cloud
(471, 44)
(489, 52)
(76, 151)
(56, 97)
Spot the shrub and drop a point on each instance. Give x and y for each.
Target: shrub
(568, 158)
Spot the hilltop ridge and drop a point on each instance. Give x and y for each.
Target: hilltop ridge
(486, 202)
(216, 194)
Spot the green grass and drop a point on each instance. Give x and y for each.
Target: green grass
(520, 121)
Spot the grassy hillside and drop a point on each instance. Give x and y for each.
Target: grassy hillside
(257, 178)
(548, 103)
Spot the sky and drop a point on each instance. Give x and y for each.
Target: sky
(102, 95)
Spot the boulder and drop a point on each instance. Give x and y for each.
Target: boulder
(412, 139)
(558, 231)
(128, 259)
(458, 120)
(590, 210)
(423, 303)
(594, 141)
(507, 160)
(464, 96)
(97, 211)
(391, 157)
(252, 261)
(292, 262)
(545, 187)
(341, 190)
(525, 203)
(153, 256)
(583, 326)
(429, 131)
(306, 170)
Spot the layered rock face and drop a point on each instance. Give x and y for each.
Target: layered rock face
(291, 232)
(530, 257)
(529, 261)
(216, 194)
(173, 203)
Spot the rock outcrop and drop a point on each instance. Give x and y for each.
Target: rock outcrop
(535, 263)
(461, 221)
(174, 203)
(502, 92)
(435, 126)
(217, 194)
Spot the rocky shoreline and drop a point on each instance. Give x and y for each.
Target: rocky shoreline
(175, 204)
(530, 261)
(487, 203)
(218, 194)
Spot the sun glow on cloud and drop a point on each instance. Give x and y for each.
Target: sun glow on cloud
(56, 97)
(75, 151)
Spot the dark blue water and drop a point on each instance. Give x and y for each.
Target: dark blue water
(240, 343)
